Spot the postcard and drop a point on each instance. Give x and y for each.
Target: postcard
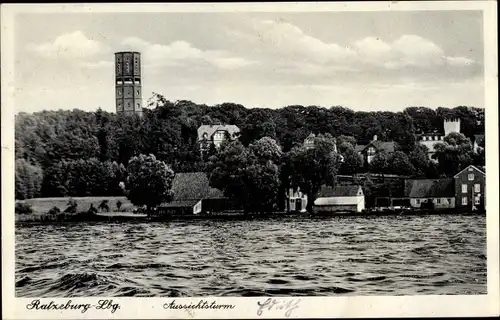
(250, 160)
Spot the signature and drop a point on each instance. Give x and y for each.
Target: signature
(277, 304)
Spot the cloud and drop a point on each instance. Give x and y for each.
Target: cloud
(75, 45)
(287, 41)
(102, 64)
(182, 53)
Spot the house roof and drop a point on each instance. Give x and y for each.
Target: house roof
(480, 171)
(180, 204)
(430, 188)
(211, 129)
(193, 186)
(338, 191)
(387, 146)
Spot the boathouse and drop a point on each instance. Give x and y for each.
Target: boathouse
(193, 195)
(347, 198)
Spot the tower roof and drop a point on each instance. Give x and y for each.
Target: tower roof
(120, 52)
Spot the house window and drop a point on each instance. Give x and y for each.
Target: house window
(471, 176)
(464, 188)
(417, 201)
(464, 201)
(476, 201)
(438, 201)
(425, 138)
(477, 187)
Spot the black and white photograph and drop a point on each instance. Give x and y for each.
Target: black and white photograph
(250, 153)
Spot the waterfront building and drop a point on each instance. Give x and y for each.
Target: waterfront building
(470, 186)
(431, 193)
(193, 195)
(295, 200)
(128, 86)
(465, 190)
(216, 134)
(430, 139)
(340, 198)
(369, 150)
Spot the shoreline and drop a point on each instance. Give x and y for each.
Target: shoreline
(131, 217)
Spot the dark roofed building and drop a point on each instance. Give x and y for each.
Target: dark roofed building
(193, 195)
(441, 192)
(369, 151)
(216, 134)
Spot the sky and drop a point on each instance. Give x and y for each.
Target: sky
(359, 60)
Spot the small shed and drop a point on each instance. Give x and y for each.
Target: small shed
(340, 198)
(193, 195)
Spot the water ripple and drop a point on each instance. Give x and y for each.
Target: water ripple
(290, 257)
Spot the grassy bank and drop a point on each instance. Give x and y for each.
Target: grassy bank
(42, 206)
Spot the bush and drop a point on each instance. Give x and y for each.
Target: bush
(54, 210)
(72, 205)
(92, 210)
(104, 205)
(23, 208)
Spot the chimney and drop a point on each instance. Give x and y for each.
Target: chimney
(374, 137)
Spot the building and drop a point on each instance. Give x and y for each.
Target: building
(309, 142)
(296, 200)
(430, 139)
(470, 185)
(431, 193)
(340, 199)
(193, 195)
(466, 190)
(128, 83)
(369, 150)
(216, 134)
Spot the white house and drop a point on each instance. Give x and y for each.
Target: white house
(340, 198)
(296, 201)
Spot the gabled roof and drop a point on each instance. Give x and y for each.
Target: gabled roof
(388, 146)
(359, 147)
(211, 129)
(338, 191)
(477, 169)
(193, 186)
(180, 204)
(430, 188)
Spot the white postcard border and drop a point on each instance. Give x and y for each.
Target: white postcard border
(317, 307)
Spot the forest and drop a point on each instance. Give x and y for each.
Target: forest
(78, 153)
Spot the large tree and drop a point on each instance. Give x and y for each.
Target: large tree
(149, 181)
(453, 154)
(249, 176)
(311, 168)
(28, 180)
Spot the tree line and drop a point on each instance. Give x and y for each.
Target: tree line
(77, 153)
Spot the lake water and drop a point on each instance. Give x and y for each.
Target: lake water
(288, 257)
